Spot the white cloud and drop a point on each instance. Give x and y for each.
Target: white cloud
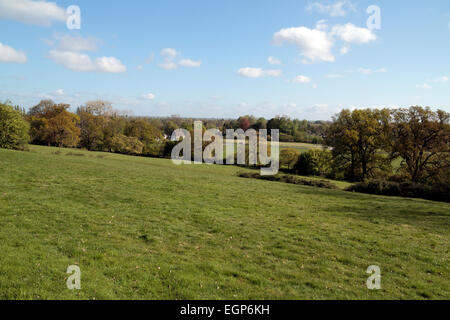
(76, 43)
(9, 54)
(345, 50)
(169, 53)
(169, 65)
(274, 61)
(59, 92)
(189, 63)
(441, 79)
(338, 9)
(371, 71)
(334, 76)
(32, 12)
(352, 34)
(149, 96)
(317, 44)
(139, 67)
(423, 86)
(314, 44)
(83, 63)
(258, 72)
(301, 79)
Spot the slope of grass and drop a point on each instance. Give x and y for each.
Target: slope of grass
(145, 228)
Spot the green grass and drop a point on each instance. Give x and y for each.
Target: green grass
(145, 228)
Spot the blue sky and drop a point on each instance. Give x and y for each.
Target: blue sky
(210, 58)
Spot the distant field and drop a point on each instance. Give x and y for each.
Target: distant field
(300, 146)
(145, 228)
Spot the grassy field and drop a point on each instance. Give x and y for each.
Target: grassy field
(145, 228)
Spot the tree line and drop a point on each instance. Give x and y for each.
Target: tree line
(406, 144)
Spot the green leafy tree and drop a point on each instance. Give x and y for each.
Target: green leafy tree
(421, 138)
(357, 137)
(288, 157)
(13, 128)
(314, 162)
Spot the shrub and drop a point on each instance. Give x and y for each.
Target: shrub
(437, 192)
(314, 162)
(127, 145)
(288, 157)
(13, 128)
(287, 178)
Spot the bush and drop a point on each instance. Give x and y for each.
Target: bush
(13, 128)
(287, 178)
(127, 145)
(314, 162)
(438, 192)
(288, 157)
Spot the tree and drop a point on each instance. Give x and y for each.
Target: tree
(288, 157)
(54, 125)
(356, 138)
(244, 123)
(13, 128)
(421, 138)
(150, 136)
(314, 162)
(127, 145)
(91, 130)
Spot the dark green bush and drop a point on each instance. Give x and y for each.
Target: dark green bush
(287, 178)
(438, 192)
(314, 162)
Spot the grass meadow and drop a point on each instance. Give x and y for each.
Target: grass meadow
(142, 228)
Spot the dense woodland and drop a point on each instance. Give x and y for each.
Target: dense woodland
(380, 148)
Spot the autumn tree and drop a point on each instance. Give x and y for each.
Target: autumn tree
(54, 125)
(421, 138)
(150, 136)
(357, 137)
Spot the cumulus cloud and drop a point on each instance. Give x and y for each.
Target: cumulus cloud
(258, 72)
(301, 79)
(423, 86)
(350, 33)
(32, 12)
(9, 54)
(371, 71)
(334, 76)
(338, 9)
(273, 61)
(169, 55)
(442, 79)
(76, 43)
(169, 65)
(148, 96)
(189, 63)
(314, 44)
(83, 63)
(317, 44)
